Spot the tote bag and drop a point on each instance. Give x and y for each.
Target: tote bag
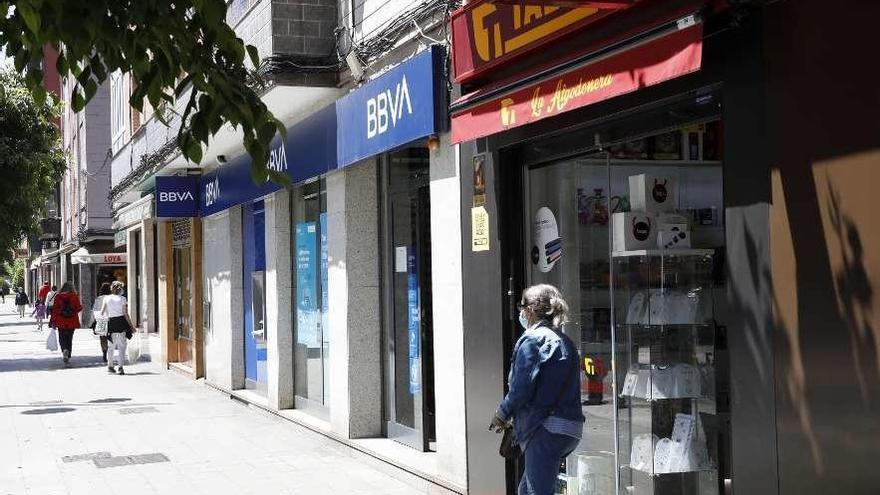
(101, 322)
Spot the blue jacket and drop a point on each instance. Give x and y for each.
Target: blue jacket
(544, 360)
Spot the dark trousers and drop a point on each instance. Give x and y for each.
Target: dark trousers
(544, 452)
(104, 347)
(65, 339)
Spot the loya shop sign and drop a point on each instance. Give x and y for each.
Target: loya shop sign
(650, 63)
(177, 196)
(402, 105)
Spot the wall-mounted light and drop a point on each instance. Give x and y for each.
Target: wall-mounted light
(433, 143)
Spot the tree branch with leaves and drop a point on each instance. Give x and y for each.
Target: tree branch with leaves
(31, 160)
(170, 48)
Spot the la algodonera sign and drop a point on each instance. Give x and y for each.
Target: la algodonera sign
(645, 65)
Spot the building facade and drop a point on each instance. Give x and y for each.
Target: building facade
(662, 164)
(76, 236)
(656, 160)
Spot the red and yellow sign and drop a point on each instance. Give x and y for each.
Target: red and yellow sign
(487, 33)
(645, 65)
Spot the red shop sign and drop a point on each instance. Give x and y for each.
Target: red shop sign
(651, 63)
(487, 33)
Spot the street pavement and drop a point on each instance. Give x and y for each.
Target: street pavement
(80, 430)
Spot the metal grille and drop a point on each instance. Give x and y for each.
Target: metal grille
(181, 233)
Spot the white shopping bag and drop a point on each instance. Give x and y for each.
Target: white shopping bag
(52, 340)
(134, 347)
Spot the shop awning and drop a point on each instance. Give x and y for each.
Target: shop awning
(82, 257)
(666, 53)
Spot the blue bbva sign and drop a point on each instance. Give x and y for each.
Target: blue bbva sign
(177, 196)
(403, 105)
(310, 151)
(396, 108)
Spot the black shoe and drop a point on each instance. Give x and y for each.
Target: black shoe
(121, 371)
(111, 370)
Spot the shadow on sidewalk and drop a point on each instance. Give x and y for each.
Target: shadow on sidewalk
(49, 363)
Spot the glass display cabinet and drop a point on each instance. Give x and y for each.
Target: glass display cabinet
(665, 326)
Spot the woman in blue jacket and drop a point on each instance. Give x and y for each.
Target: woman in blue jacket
(543, 399)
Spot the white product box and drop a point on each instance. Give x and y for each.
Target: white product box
(633, 230)
(653, 193)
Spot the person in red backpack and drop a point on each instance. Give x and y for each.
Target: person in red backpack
(65, 314)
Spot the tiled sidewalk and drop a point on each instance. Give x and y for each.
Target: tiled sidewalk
(80, 430)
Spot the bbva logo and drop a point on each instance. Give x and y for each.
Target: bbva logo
(278, 159)
(176, 196)
(387, 106)
(212, 191)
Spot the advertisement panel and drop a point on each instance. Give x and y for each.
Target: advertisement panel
(306, 285)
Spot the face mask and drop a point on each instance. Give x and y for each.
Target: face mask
(523, 321)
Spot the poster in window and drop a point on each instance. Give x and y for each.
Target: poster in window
(547, 249)
(414, 319)
(325, 263)
(306, 284)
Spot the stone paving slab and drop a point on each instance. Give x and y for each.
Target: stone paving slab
(61, 429)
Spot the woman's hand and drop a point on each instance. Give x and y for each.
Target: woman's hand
(498, 424)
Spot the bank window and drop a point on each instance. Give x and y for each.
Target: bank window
(310, 309)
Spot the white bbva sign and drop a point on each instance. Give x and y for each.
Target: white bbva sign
(212, 191)
(388, 107)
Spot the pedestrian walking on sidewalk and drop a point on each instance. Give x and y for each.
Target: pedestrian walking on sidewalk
(50, 298)
(65, 315)
(21, 301)
(97, 307)
(39, 313)
(543, 400)
(119, 327)
(44, 290)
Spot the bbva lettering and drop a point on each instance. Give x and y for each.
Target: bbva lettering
(386, 107)
(212, 191)
(175, 196)
(278, 159)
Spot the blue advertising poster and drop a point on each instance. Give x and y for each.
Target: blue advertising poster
(414, 320)
(398, 107)
(322, 222)
(306, 284)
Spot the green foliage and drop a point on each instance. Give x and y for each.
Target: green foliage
(15, 272)
(31, 161)
(170, 47)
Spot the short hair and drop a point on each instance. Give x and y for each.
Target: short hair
(54, 287)
(116, 287)
(104, 290)
(547, 303)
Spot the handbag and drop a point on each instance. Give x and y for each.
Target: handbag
(508, 449)
(101, 324)
(511, 450)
